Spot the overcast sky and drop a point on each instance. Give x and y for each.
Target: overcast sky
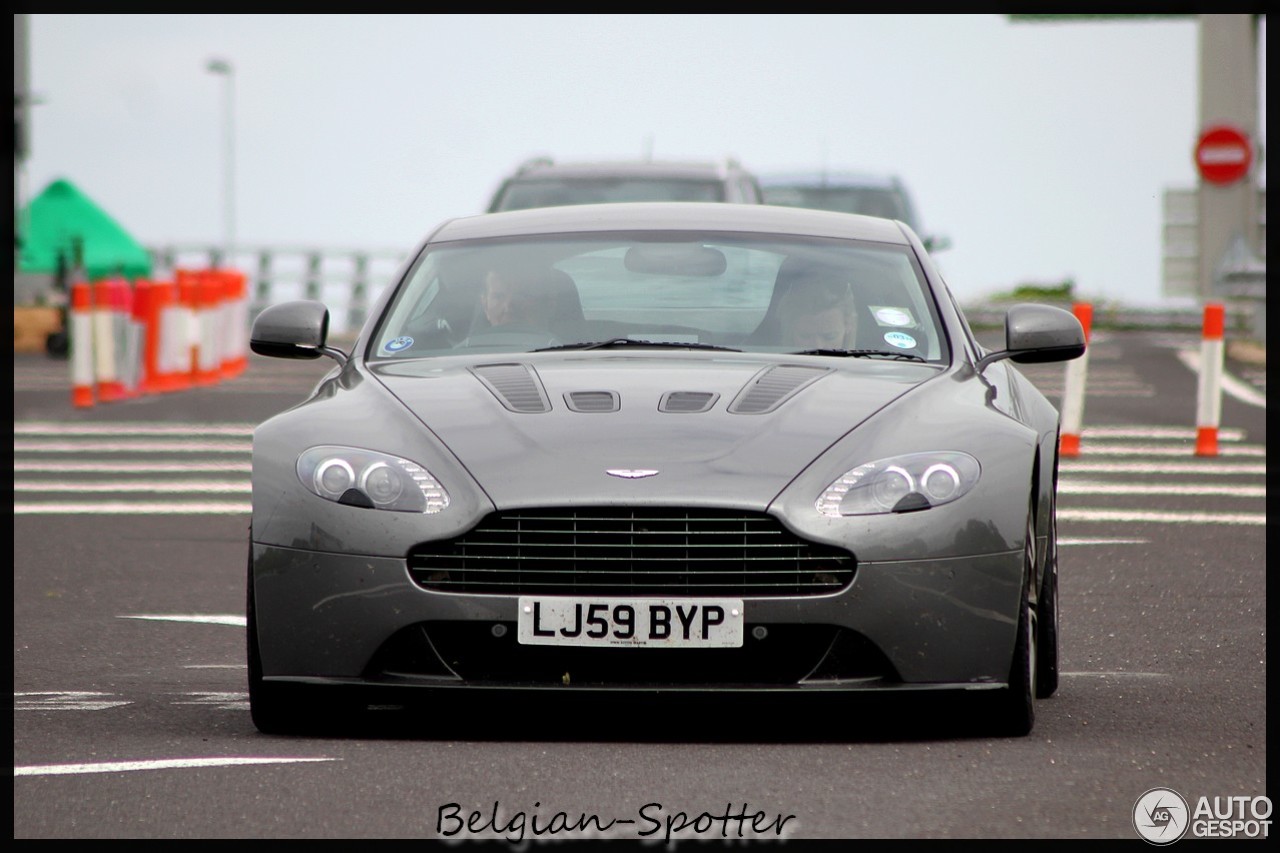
(1041, 149)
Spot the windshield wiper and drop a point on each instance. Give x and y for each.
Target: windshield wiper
(613, 343)
(863, 353)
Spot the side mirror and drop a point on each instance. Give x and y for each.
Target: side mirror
(297, 329)
(1035, 334)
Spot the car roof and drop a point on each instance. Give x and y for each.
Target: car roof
(691, 169)
(829, 179)
(671, 216)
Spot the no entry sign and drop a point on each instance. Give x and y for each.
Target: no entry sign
(1223, 155)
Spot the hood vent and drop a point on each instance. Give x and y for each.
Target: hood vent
(515, 385)
(687, 402)
(771, 387)
(592, 401)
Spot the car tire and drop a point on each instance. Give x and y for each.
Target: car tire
(1014, 714)
(1047, 612)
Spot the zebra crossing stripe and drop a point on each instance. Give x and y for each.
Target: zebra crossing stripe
(1156, 516)
(133, 508)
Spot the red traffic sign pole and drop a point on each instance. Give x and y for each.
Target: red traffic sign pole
(1223, 154)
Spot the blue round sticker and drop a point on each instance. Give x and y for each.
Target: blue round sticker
(402, 342)
(900, 339)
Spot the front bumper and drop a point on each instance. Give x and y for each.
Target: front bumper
(339, 618)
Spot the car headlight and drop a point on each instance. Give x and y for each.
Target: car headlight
(900, 484)
(365, 478)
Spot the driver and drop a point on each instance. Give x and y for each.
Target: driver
(510, 298)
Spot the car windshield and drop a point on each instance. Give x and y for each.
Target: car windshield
(553, 192)
(676, 290)
(870, 201)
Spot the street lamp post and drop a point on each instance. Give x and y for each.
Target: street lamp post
(224, 69)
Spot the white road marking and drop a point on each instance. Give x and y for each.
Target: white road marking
(1099, 540)
(142, 445)
(204, 619)
(65, 700)
(1246, 469)
(157, 486)
(1250, 518)
(1091, 487)
(158, 764)
(88, 700)
(1119, 674)
(131, 467)
(217, 701)
(130, 508)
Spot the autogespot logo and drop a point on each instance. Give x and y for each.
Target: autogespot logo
(1160, 816)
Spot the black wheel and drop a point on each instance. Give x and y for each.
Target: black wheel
(1047, 611)
(1014, 713)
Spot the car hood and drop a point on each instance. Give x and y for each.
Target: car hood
(706, 430)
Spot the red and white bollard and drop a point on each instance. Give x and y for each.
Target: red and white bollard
(1209, 390)
(82, 350)
(1073, 389)
(173, 355)
(107, 338)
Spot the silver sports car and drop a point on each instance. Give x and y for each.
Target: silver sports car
(677, 447)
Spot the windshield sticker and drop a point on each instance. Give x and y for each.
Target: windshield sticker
(887, 316)
(901, 340)
(401, 343)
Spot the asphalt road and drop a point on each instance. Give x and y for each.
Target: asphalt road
(131, 720)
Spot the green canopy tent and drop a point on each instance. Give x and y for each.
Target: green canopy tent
(61, 218)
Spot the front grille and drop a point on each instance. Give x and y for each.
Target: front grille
(629, 551)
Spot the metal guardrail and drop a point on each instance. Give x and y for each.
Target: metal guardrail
(347, 280)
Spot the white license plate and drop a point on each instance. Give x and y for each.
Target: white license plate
(646, 622)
